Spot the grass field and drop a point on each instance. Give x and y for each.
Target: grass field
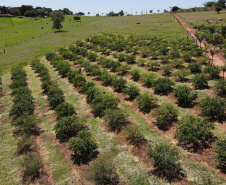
(198, 17)
(25, 39)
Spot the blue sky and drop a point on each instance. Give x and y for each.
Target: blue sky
(105, 6)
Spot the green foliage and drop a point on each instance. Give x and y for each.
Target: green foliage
(64, 110)
(195, 67)
(101, 102)
(133, 91)
(134, 134)
(115, 118)
(103, 171)
(57, 17)
(215, 108)
(181, 74)
(149, 79)
(22, 105)
(166, 158)
(23, 145)
(32, 164)
(106, 77)
(55, 97)
(166, 69)
(163, 85)
(146, 102)
(177, 63)
(67, 127)
(166, 114)
(221, 151)
(135, 73)
(154, 65)
(83, 145)
(184, 95)
(92, 56)
(119, 83)
(130, 59)
(192, 130)
(141, 61)
(200, 81)
(124, 68)
(213, 71)
(220, 86)
(26, 125)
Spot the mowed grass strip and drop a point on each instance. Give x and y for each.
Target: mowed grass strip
(24, 40)
(53, 157)
(127, 165)
(10, 168)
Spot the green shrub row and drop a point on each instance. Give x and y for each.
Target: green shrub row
(68, 124)
(25, 122)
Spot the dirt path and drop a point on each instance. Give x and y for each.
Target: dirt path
(218, 58)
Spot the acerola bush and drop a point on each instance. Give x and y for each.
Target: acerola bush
(184, 95)
(32, 163)
(220, 86)
(26, 125)
(213, 71)
(195, 67)
(83, 145)
(200, 81)
(166, 158)
(214, 108)
(166, 114)
(118, 84)
(149, 79)
(221, 151)
(64, 110)
(192, 130)
(163, 85)
(67, 127)
(154, 65)
(146, 102)
(134, 134)
(181, 74)
(166, 69)
(115, 118)
(135, 73)
(23, 145)
(141, 61)
(103, 171)
(133, 91)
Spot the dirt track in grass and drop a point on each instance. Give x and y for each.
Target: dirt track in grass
(218, 58)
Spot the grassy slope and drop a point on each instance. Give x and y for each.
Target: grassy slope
(25, 40)
(200, 16)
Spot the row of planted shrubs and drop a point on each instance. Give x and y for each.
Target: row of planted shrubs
(166, 114)
(154, 47)
(116, 120)
(24, 120)
(69, 125)
(199, 80)
(161, 85)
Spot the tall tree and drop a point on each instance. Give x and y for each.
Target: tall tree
(121, 13)
(25, 8)
(57, 17)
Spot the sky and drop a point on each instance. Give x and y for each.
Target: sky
(105, 6)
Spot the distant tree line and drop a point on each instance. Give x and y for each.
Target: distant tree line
(30, 11)
(110, 14)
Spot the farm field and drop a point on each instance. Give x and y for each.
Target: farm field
(26, 40)
(109, 101)
(199, 17)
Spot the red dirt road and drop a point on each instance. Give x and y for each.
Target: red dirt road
(218, 58)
